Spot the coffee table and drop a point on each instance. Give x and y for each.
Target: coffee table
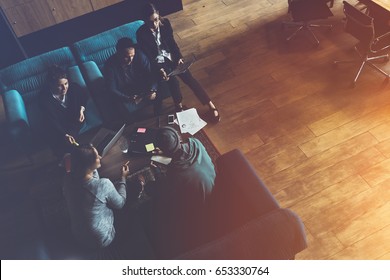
(115, 158)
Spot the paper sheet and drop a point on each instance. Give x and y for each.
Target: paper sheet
(189, 121)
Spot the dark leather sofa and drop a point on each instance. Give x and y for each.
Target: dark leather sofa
(244, 222)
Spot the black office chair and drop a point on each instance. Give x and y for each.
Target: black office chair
(303, 12)
(361, 26)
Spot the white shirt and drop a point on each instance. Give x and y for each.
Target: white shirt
(162, 54)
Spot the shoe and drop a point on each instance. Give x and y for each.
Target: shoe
(215, 118)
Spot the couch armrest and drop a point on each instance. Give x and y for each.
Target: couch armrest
(239, 194)
(276, 235)
(97, 85)
(16, 114)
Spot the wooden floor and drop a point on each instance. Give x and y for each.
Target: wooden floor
(322, 147)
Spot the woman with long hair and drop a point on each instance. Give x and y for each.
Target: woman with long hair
(91, 200)
(156, 39)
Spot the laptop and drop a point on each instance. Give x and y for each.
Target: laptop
(142, 140)
(181, 68)
(105, 139)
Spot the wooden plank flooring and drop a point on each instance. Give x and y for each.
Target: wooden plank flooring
(322, 147)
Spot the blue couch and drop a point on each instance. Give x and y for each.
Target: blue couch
(21, 85)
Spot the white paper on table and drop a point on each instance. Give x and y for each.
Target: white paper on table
(189, 121)
(161, 159)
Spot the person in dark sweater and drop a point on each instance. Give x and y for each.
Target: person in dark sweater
(180, 206)
(155, 38)
(64, 107)
(130, 81)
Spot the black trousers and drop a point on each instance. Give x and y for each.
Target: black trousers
(189, 80)
(196, 88)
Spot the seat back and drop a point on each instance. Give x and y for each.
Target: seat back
(308, 10)
(28, 77)
(359, 25)
(100, 47)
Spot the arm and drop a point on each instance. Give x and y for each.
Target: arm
(170, 40)
(151, 78)
(52, 115)
(148, 45)
(111, 76)
(118, 198)
(115, 194)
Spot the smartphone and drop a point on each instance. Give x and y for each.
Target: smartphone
(171, 119)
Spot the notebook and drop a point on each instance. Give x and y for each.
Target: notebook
(142, 140)
(105, 139)
(181, 68)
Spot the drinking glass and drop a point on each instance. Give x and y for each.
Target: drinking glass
(123, 145)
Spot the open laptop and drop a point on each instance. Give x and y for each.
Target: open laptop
(105, 139)
(181, 68)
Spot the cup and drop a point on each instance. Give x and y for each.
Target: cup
(123, 145)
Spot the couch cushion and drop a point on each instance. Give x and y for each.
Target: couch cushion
(100, 47)
(28, 76)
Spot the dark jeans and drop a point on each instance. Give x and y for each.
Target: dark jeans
(196, 88)
(173, 83)
(189, 80)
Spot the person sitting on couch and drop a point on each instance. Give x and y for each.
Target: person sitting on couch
(184, 191)
(64, 106)
(130, 80)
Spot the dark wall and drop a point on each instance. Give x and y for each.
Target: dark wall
(73, 30)
(10, 50)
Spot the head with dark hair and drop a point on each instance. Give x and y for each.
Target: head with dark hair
(125, 50)
(84, 159)
(168, 140)
(58, 80)
(151, 16)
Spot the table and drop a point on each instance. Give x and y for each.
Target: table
(385, 4)
(115, 158)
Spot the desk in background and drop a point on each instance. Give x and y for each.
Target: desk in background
(380, 11)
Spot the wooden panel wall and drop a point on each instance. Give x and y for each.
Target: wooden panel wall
(26, 16)
(99, 4)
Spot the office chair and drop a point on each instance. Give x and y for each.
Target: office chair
(361, 26)
(303, 12)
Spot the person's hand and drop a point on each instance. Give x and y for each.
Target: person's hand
(125, 170)
(141, 180)
(181, 61)
(71, 139)
(157, 151)
(152, 95)
(137, 99)
(164, 74)
(82, 117)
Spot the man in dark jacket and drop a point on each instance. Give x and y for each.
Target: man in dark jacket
(130, 80)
